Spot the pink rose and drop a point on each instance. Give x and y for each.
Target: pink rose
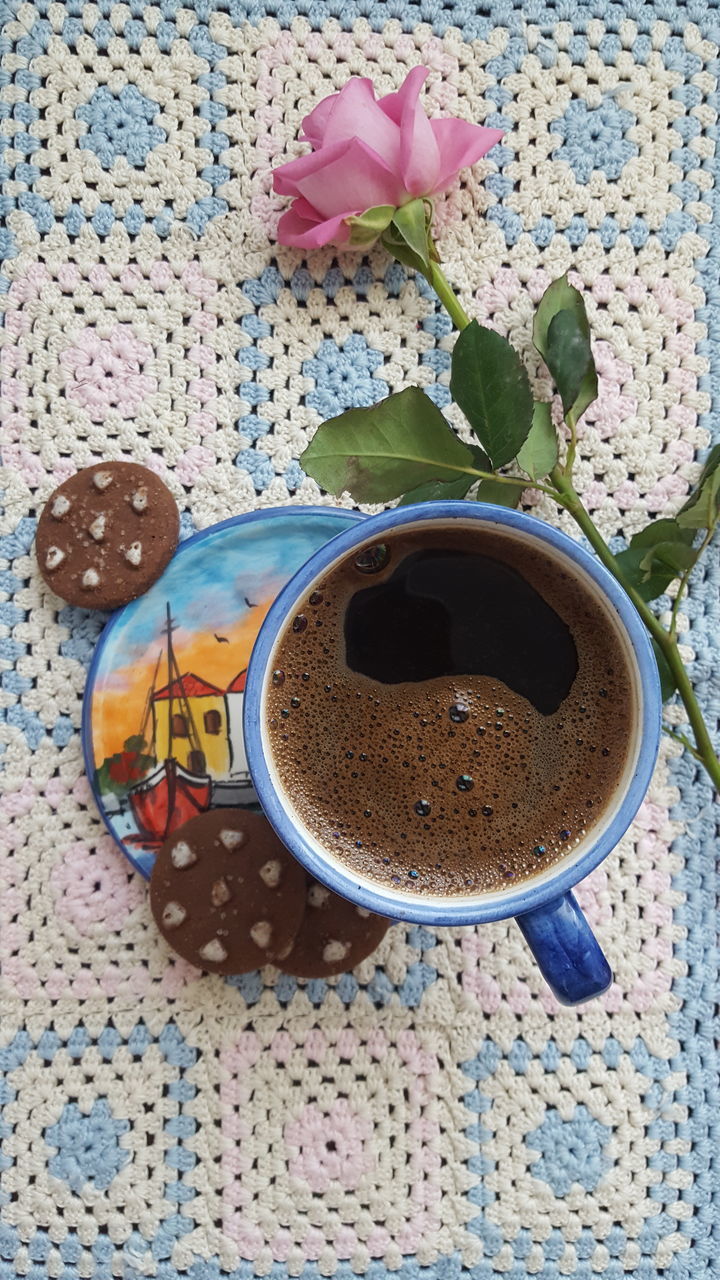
(369, 153)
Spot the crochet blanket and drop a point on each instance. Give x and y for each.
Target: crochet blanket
(435, 1112)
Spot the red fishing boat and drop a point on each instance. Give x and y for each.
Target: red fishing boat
(167, 798)
(170, 794)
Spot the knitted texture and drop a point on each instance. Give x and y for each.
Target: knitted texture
(435, 1113)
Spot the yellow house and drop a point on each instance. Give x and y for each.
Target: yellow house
(199, 725)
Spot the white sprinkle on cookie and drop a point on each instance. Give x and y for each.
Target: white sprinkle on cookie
(261, 933)
(220, 893)
(90, 579)
(173, 915)
(334, 951)
(213, 951)
(97, 528)
(182, 855)
(318, 895)
(231, 840)
(53, 558)
(60, 507)
(270, 873)
(102, 480)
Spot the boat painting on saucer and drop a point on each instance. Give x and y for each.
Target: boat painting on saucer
(163, 710)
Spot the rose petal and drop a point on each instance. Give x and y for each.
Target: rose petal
(356, 114)
(460, 144)
(304, 210)
(340, 179)
(305, 234)
(312, 129)
(420, 162)
(286, 177)
(393, 104)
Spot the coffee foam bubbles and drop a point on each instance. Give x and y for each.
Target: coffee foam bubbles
(453, 785)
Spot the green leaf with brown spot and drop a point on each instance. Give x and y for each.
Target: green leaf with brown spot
(389, 449)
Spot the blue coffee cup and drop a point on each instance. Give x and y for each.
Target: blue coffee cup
(544, 906)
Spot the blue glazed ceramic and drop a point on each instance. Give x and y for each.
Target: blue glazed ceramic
(549, 917)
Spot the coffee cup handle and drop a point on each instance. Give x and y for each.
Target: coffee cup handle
(566, 950)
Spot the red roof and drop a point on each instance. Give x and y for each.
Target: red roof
(189, 685)
(238, 684)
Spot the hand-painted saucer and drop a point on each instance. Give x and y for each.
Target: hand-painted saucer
(162, 714)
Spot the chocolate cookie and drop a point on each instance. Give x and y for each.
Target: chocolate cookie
(334, 936)
(106, 534)
(226, 894)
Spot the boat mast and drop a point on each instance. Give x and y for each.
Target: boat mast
(148, 708)
(170, 663)
(174, 675)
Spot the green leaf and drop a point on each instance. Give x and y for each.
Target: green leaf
(438, 491)
(490, 384)
(648, 564)
(667, 679)
(502, 495)
(665, 530)
(412, 225)
(674, 556)
(540, 451)
(559, 296)
(366, 227)
(571, 361)
(397, 248)
(561, 334)
(702, 509)
(408, 236)
(387, 450)
(481, 462)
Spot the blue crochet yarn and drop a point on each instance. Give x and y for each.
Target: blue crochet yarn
(594, 138)
(120, 125)
(87, 1146)
(571, 1150)
(343, 376)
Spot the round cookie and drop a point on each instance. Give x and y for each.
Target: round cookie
(106, 534)
(335, 935)
(226, 894)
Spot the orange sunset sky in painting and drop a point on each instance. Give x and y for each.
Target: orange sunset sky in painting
(119, 702)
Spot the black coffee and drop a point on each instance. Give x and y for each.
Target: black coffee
(450, 711)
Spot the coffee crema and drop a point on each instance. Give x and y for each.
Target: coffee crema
(450, 711)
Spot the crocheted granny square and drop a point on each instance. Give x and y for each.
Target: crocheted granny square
(434, 1113)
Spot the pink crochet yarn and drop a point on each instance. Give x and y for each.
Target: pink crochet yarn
(325, 1147)
(108, 373)
(93, 889)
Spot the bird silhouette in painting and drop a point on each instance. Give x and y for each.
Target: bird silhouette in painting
(221, 639)
(250, 604)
